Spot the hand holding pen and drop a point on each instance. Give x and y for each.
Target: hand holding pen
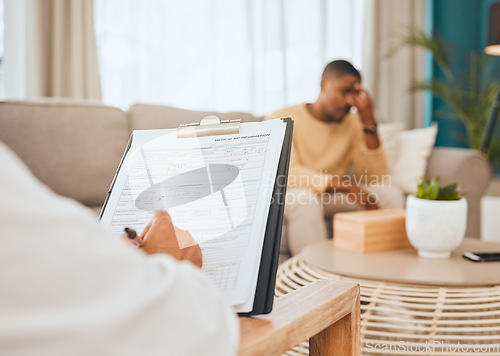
(132, 235)
(161, 236)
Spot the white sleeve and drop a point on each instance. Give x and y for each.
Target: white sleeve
(69, 287)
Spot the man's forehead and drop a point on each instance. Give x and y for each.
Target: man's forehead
(344, 80)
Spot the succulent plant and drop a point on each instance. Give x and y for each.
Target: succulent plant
(431, 190)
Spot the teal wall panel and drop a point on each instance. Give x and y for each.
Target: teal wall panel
(461, 23)
(456, 21)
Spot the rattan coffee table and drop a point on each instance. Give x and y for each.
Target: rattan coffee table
(410, 311)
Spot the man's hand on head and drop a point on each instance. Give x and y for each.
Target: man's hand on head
(363, 102)
(161, 236)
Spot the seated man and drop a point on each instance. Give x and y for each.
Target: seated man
(69, 287)
(328, 139)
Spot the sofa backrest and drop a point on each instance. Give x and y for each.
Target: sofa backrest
(145, 116)
(73, 148)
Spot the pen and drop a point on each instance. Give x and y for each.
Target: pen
(132, 234)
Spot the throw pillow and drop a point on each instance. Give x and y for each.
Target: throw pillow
(389, 135)
(415, 147)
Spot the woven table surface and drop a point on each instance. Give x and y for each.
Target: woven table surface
(405, 319)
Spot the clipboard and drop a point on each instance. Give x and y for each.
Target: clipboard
(264, 295)
(212, 126)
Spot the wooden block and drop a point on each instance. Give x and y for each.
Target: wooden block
(370, 230)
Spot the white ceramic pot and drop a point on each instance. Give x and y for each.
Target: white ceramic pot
(435, 227)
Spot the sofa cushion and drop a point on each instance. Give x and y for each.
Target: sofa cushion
(407, 153)
(389, 135)
(415, 147)
(74, 148)
(145, 116)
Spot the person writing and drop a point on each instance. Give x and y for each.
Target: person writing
(70, 287)
(328, 140)
(161, 236)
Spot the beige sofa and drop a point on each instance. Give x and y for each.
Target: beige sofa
(75, 147)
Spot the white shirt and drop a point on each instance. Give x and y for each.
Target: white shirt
(70, 287)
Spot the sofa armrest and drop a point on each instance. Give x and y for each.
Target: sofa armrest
(325, 312)
(470, 170)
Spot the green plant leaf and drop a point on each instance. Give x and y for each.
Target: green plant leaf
(449, 192)
(470, 90)
(434, 188)
(422, 188)
(432, 191)
(417, 37)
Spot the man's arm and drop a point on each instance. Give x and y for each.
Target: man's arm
(364, 104)
(301, 176)
(361, 196)
(370, 163)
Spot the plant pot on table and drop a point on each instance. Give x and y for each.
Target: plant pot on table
(435, 227)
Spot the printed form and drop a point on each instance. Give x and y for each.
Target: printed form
(218, 188)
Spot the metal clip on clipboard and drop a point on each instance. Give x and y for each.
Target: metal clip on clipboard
(209, 126)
